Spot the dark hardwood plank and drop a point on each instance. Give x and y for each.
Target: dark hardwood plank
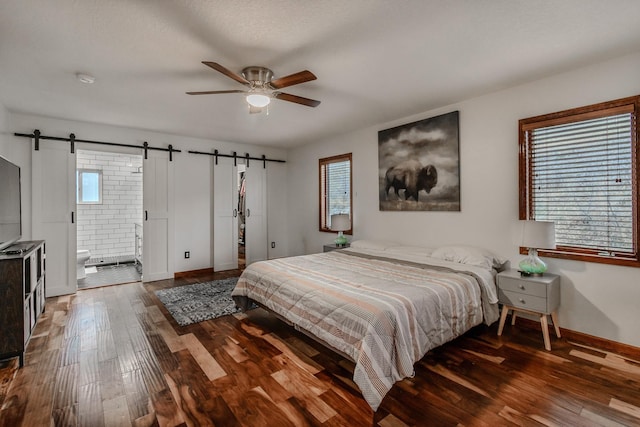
(8, 369)
(66, 388)
(111, 385)
(151, 372)
(90, 409)
(15, 402)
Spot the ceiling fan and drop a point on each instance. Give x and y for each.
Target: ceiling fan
(262, 86)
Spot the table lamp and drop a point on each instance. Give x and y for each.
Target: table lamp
(536, 235)
(340, 223)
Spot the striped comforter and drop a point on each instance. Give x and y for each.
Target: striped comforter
(385, 314)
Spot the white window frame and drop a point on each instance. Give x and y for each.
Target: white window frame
(79, 192)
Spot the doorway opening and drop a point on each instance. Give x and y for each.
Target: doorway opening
(109, 218)
(242, 229)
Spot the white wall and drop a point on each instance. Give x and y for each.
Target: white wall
(597, 299)
(3, 127)
(192, 182)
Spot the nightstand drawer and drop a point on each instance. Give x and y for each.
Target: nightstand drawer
(528, 302)
(522, 287)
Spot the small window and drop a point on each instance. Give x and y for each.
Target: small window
(88, 186)
(578, 168)
(335, 190)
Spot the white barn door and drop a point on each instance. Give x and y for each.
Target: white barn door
(256, 213)
(53, 199)
(225, 215)
(157, 241)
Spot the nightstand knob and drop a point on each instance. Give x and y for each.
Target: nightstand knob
(522, 301)
(521, 287)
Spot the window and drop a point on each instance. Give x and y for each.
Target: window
(335, 189)
(579, 169)
(88, 186)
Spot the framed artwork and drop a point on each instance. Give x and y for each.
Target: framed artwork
(419, 165)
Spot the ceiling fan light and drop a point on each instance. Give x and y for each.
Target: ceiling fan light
(258, 100)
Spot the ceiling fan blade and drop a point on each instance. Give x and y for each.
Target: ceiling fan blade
(293, 79)
(227, 72)
(297, 99)
(213, 92)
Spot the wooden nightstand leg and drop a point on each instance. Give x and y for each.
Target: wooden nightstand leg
(513, 318)
(545, 331)
(503, 317)
(556, 325)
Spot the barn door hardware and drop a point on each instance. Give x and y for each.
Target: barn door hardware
(235, 157)
(37, 136)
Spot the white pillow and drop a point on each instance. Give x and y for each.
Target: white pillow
(469, 255)
(410, 250)
(377, 245)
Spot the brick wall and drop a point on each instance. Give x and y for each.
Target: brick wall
(107, 229)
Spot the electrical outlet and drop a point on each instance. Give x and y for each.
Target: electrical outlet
(187, 254)
(273, 245)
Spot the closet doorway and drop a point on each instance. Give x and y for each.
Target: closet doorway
(109, 200)
(239, 214)
(242, 223)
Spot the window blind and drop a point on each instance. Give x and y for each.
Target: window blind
(338, 191)
(335, 188)
(581, 178)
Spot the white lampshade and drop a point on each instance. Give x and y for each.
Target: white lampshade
(538, 234)
(258, 100)
(340, 222)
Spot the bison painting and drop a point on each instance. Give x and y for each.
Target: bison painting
(411, 177)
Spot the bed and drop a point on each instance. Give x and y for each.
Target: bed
(381, 304)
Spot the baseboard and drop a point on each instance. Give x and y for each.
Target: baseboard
(622, 349)
(51, 291)
(193, 273)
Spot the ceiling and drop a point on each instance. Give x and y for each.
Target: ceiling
(376, 60)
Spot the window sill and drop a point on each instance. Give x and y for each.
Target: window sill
(587, 257)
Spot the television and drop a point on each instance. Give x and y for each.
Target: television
(10, 209)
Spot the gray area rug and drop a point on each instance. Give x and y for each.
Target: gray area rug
(199, 302)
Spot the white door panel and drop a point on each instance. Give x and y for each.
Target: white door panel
(256, 213)
(225, 215)
(157, 263)
(53, 205)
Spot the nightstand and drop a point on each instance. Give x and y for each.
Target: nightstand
(333, 247)
(538, 295)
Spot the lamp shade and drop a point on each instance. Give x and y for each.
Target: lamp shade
(538, 234)
(340, 222)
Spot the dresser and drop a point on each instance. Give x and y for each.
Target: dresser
(537, 295)
(22, 295)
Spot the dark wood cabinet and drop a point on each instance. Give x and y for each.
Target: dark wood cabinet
(22, 295)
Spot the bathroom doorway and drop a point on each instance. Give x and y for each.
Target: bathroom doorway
(109, 218)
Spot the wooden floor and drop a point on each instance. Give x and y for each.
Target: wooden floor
(113, 356)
